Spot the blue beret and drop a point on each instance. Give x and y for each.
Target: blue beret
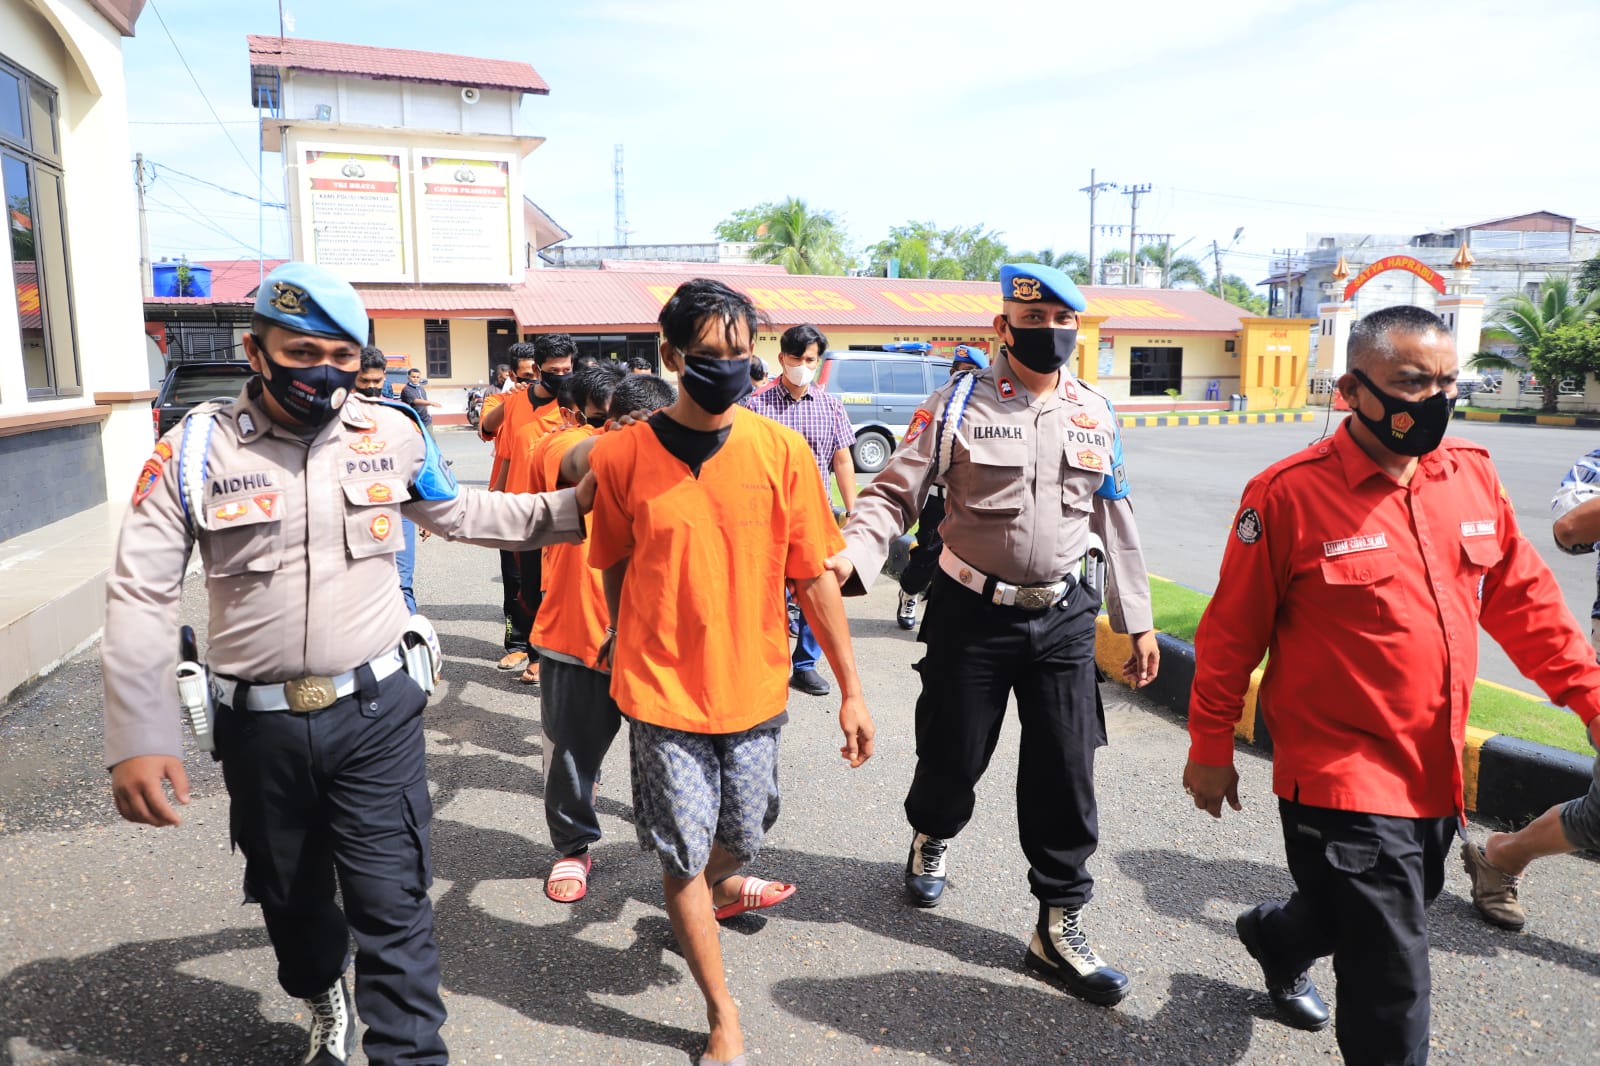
(1028, 282)
(965, 353)
(306, 298)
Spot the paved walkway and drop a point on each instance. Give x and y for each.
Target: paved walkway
(126, 945)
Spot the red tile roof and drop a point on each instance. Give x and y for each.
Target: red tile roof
(584, 299)
(630, 300)
(400, 64)
(657, 266)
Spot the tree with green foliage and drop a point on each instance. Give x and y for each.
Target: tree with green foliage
(964, 253)
(1182, 270)
(1074, 265)
(1241, 295)
(1588, 279)
(791, 234)
(1532, 327)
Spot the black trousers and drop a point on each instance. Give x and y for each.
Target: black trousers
(518, 620)
(978, 654)
(1362, 885)
(924, 559)
(339, 798)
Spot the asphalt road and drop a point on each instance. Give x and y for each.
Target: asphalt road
(1187, 481)
(128, 946)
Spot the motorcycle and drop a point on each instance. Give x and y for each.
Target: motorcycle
(475, 397)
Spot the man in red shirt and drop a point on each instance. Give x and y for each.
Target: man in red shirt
(1363, 566)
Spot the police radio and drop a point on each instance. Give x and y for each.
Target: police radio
(194, 690)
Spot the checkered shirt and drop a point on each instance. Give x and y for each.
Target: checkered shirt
(817, 416)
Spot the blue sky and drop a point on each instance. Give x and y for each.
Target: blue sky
(1282, 117)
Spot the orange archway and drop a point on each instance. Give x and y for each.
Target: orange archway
(1396, 262)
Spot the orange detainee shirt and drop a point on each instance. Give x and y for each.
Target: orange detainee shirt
(1367, 595)
(703, 639)
(524, 426)
(572, 617)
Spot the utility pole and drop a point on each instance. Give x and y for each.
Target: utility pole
(1133, 192)
(1165, 240)
(1093, 189)
(622, 214)
(1288, 267)
(1216, 259)
(145, 279)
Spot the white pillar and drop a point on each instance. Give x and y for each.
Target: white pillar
(1333, 335)
(1464, 316)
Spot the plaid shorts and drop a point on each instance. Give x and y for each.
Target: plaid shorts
(693, 789)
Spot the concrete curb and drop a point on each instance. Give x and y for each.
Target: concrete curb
(1504, 779)
(1519, 418)
(1223, 419)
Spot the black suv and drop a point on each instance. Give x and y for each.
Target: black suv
(880, 391)
(189, 384)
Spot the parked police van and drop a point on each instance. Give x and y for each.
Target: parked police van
(881, 388)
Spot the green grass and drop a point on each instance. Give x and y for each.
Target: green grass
(1177, 610)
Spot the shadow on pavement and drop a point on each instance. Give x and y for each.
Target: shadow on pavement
(549, 973)
(131, 1004)
(959, 1018)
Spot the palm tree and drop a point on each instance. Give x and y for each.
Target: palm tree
(1525, 323)
(1074, 265)
(1180, 270)
(801, 240)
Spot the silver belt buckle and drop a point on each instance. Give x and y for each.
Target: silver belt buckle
(306, 694)
(1036, 598)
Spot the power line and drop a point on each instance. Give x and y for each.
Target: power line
(220, 188)
(199, 217)
(254, 173)
(187, 122)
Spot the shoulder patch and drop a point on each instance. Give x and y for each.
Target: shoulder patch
(1248, 526)
(146, 484)
(919, 422)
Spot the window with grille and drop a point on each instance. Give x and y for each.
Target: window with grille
(436, 346)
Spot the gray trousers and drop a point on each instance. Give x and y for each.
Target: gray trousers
(579, 719)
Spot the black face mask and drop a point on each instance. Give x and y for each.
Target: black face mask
(716, 384)
(598, 421)
(1042, 349)
(551, 380)
(374, 391)
(1408, 427)
(310, 394)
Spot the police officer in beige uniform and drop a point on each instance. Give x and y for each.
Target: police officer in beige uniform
(1031, 464)
(294, 493)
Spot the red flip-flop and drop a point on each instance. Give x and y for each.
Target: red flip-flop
(570, 870)
(752, 897)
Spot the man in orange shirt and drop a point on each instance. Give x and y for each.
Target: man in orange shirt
(708, 510)
(1364, 565)
(578, 717)
(521, 418)
(523, 375)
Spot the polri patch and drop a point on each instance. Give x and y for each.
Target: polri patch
(1248, 527)
(146, 484)
(1481, 528)
(378, 492)
(919, 422)
(267, 503)
(380, 527)
(163, 451)
(229, 511)
(1085, 420)
(1007, 390)
(367, 446)
(1091, 460)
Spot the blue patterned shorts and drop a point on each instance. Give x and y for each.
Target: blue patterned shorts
(690, 789)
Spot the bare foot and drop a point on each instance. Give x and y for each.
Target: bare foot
(725, 1042)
